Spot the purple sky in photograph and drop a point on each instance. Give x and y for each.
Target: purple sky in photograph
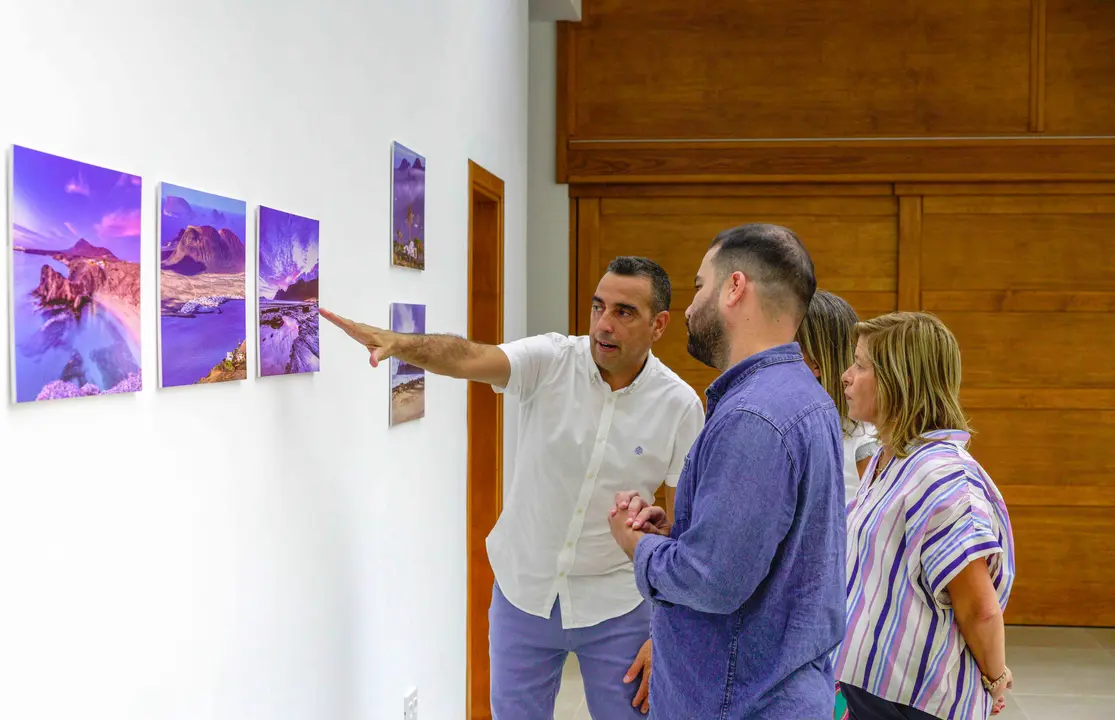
(57, 202)
(409, 190)
(288, 246)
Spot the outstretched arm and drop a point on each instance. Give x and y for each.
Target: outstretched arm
(447, 355)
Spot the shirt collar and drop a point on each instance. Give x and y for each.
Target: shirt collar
(644, 373)
(956, 437)
(735, 375)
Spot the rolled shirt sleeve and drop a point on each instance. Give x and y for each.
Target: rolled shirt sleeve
(531, 359)
(959, 528)
(692, 422)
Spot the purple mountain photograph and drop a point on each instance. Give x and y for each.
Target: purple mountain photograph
(408, 208)
(288, 296)
(408, 383)
(76, 259)
(202, 288)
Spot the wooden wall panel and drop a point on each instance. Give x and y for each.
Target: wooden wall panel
(837, 90)
(843, 68)
(1064, 566)
(1027, 285)
(1080, 67)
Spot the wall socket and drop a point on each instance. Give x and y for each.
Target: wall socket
(410, 705)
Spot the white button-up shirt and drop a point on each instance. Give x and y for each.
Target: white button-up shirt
(579, 444)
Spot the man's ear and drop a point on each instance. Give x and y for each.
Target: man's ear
(736, 283)
(661, 320)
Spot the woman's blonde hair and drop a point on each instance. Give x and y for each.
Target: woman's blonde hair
(917, 377)
(825, 337)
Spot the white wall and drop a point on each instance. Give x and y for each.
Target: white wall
(264, 549)
(548, 202)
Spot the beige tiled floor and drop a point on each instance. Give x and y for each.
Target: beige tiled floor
(1059, 674)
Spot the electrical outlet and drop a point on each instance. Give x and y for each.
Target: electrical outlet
(410, 705)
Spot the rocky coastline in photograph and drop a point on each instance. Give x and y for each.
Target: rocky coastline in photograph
(233, 367)
(95, 276)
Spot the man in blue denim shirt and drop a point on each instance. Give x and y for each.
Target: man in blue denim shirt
(748, 586)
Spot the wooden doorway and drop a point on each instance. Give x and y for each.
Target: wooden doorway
(485, 424)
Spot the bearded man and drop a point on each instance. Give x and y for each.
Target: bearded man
(748, 585)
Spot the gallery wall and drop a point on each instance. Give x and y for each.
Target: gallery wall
(271, 547)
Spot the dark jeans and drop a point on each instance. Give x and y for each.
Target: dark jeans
(862, 705)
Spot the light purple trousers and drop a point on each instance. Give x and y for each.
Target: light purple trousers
(528, 653)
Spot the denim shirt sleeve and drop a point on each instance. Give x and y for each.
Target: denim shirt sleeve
(743, 505)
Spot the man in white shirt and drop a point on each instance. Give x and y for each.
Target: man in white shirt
(598, 414)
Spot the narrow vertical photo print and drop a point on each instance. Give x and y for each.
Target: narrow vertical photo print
(75, 311)
(408, 383)
(202, 288)
(408, 208)
(288, 294)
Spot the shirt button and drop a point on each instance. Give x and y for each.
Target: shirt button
(561, 574)
(580, 510)
(568, 544)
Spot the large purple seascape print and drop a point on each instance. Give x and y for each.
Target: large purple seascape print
(408, 382)
(288, 296)
(202, 336)
(408, 208)
(76, 278)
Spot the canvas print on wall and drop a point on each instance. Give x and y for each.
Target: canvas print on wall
(76, 271)
(408, 383)
(408, 208)
(202, 332)
(288, 276)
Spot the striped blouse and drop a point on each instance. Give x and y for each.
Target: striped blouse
(910, 532)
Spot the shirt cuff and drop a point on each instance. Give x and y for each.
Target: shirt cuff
(644, 551)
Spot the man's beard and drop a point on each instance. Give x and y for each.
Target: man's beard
(707, 336)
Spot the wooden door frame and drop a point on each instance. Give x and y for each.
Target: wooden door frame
(485, 430)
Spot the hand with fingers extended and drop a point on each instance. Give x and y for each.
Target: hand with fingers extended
(641, 515)
(641, 666)
(376, 340)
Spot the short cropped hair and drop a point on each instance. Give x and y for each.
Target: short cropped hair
(775, 259)
(917, 377)
(630, 266)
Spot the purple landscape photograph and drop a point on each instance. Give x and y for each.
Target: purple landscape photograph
(288, 299)
(76, 278)
(408, 208)
(408, 383)
(202, 291)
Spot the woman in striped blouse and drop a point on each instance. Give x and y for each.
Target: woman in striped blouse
(930, 552)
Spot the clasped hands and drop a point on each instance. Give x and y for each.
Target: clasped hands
(632, 517)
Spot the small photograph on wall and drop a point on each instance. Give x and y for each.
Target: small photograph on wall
(288, 297)
(408, 208)
(75, 308)
(408, 383)
(202, 288)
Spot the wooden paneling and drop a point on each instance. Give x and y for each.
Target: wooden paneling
(852, 239)
(954, 156)
(1065, 557)
(1080, 67)
(1028, 159)
(851, 90)
(1027, 285)
(1024, 275)
(827, 68)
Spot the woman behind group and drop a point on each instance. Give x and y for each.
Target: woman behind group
(826, 341)
(930, 552)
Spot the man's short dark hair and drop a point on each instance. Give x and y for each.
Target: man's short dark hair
(775, 259)
(630, 266)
